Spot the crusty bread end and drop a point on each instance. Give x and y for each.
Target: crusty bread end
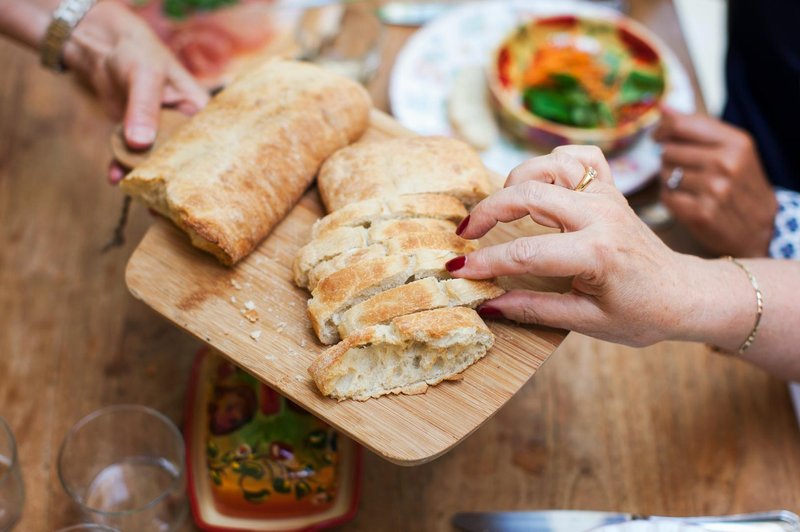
(405, 356)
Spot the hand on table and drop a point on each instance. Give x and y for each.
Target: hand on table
(117, 54)
(628, 286)
(724, 198)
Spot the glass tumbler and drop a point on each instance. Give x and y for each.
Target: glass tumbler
(12, 491)
(124, 467)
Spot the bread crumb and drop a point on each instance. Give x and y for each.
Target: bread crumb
(251, 315)
(249, 305)
(281, 327)
(269, 357)
(233, 299)
(299, 378)
(255, 335)
(291, 303)
(235, 284)
(303, 342)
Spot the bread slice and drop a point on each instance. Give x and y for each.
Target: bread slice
(344, 260)
(343, 289)
(386, 229)
(385, 169)
(425, 294)
(350, 286)
(233, 171)
(406, 356)
(444, 240)
(366, 213)
(347, 239)
(333, 243)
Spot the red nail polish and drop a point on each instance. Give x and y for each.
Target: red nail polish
(462, 225)
(489, 311)
(455, 264)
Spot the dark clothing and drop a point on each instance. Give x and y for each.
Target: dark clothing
(763, 82)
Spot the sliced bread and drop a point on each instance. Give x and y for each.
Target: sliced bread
(406, 356)
(367, 212)
(425, 294)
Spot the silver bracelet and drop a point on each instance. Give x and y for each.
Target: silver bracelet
(66, 16)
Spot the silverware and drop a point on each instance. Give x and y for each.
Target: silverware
(579, 521)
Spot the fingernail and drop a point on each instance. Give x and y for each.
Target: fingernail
(462, 225)
(141, 136)
(115, 173)
(455, 264)
(488, 311)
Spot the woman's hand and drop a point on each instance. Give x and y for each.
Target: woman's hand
(116, 53)
(627, 287)
(724, 198)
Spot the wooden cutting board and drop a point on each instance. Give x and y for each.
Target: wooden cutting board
(207, 299)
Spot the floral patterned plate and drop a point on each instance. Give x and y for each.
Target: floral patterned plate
(465, 36)
(257, 461)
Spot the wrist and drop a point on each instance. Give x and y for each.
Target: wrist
(718, 307)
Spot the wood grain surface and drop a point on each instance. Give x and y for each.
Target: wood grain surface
(670, 429)
(195, 292)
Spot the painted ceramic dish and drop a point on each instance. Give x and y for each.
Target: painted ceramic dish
(257, 461)
(575, 80)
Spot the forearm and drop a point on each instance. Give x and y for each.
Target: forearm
(25, 21)
(724, 311)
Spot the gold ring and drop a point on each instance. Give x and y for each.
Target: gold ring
(587, 178)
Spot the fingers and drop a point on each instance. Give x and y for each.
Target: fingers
(693, 181)
(554, 168)
(590, 156)
(691, 210)
(190, 96)
(116, 173)
(545, 204)
(696, 128)
(563, 311)
(549, 255)
(144, 104)
(565, 167)
(687, 156)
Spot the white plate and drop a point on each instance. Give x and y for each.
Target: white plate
(465, 36)
(649, 526)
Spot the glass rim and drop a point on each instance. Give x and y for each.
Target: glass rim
(84, 421)
(13, 463)
(88, 526)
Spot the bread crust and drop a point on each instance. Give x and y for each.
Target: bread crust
(426, 294)
(367, 212)
(232, 172)
(400, 166)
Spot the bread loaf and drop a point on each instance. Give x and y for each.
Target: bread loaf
(231, 173)
(406, 165)
(406, 356)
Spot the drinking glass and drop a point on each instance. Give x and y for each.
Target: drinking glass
(124, 467)
(12, 491)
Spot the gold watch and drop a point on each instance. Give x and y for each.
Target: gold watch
(65, 18)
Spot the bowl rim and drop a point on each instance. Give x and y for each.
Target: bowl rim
(602, 134)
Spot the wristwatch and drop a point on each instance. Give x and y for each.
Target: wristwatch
(65, 18)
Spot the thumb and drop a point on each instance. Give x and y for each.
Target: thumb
(551, 309)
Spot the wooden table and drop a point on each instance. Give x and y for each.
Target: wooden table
(670, 429)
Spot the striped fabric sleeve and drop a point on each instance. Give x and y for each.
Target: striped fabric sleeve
(786, 238)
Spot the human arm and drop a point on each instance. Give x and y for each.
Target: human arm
(628, 286)
(119, 57)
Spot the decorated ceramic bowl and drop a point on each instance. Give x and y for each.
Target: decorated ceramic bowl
(259, 462)
(576, 80)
